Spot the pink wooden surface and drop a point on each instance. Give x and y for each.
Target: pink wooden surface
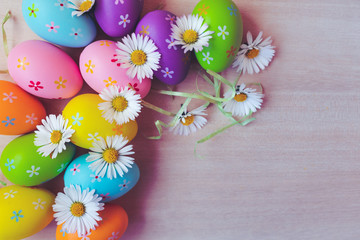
(294, 173)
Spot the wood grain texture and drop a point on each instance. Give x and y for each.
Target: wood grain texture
(294, 173)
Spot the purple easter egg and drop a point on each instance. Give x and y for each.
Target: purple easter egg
(174, 64)
(118, 18)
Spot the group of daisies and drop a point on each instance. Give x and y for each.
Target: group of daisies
(78, 209)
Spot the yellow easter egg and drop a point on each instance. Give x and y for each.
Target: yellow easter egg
(24, 211)
(89, 125)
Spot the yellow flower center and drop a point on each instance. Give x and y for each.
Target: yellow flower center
(55, 136)
(77, 209)
(110, 155)
(138, 57)
(190, 36)
(240, 97)
(85, 6)
(253, 53)
(188, 120)
(119, 104)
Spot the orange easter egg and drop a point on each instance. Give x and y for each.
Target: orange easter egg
(113, 225)
(20, 112)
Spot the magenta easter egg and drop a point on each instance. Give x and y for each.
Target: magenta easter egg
(174, 64)
(100, 69)
(44, 70)
(118, 18)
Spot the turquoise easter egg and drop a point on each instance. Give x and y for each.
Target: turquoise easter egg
(224, 19)
(52, 20)
(21, 163)
(78, 172)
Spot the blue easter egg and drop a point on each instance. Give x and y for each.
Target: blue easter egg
(52, 20)
(78, 172)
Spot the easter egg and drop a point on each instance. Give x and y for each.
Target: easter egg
(22, 164)
(44, 70)
(118, 18)
(89, 125)
(79, 173)
(24, 211)
(100, 68)
(224, 19)
(174, 63)
(19, 111)
(52, 20)
(113, 225)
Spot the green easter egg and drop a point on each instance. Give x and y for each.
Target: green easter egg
(21, 163)
(224, 19)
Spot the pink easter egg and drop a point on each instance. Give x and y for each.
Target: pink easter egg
(44, 70)
(100, 69)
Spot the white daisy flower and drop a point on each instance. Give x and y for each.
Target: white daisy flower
(139, 55)
(110, 157)
(120, 105)
(77, 209)
(189, 122)
(53, 135)
(245, 100)
(190, 32)
(254, 55)
(80, 6)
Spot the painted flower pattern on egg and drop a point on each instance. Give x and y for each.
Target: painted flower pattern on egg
(60, 83)
(10, 194)
(76, 33)
(9, 121)
(62, 4)
(167, 72)
(207, 57)
(124, 20)
(144, 30)
(119, 1)
(75, 169)
(203, 10)
(36, 85)
(33, 171)
(11, 97)
(22, 63)
(33, 10)
(9, 164)
(39, 204)
(52, 27)
(233, 11)
(31, 118)
(77, 119)
(89, 67)
(17, 215)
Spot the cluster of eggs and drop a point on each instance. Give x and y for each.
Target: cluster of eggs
(43, 70)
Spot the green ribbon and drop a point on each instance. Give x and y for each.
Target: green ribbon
(187, 95)
(243, 122)
(3, 183)
(157, 109)
(257, 84)
(159, 124)
(216, 83)
(6, 18)
(5, 43)
(204, 95)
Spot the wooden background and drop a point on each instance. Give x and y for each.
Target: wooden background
(294, 173)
